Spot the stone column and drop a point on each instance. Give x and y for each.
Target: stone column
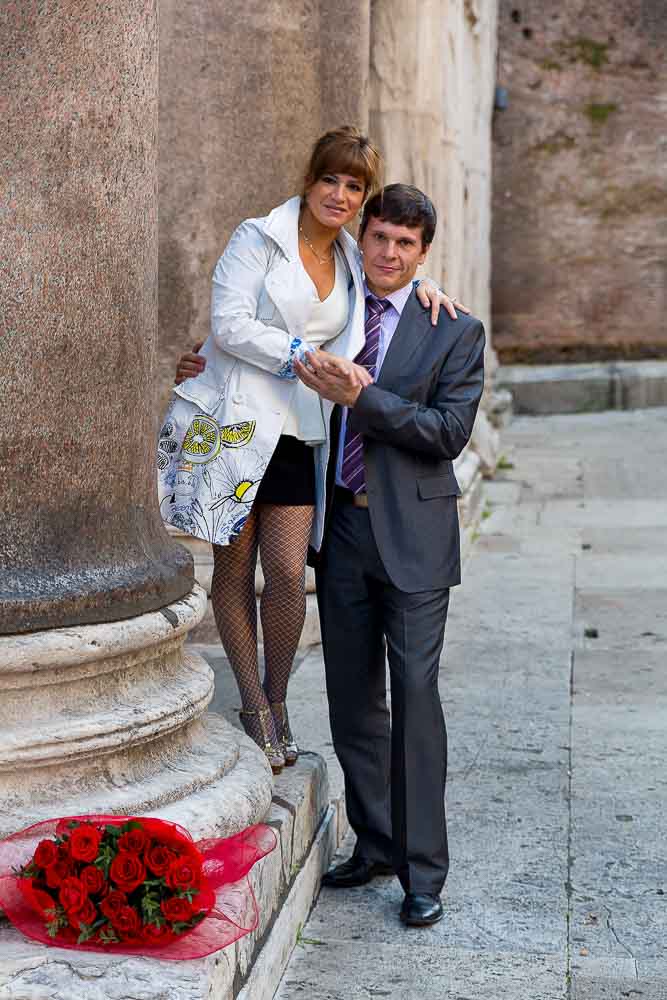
(79, 534)
(100, 709)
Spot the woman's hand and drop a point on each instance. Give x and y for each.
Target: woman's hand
(429, 294)
(190, 365)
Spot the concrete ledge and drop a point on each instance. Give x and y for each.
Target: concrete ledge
(617, 385)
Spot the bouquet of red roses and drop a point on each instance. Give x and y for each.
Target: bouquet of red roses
(130, 884)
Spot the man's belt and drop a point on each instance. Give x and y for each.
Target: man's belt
(344, 496)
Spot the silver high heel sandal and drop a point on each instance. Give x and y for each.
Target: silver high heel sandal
(288, 744)
(259, 726)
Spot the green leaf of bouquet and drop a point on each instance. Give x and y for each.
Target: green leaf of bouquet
(180, 926)
(28, 871)
(86, 933)
(108, 935)
(188, 894)
(132, 824)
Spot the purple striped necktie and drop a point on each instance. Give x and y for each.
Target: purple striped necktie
(353, 471)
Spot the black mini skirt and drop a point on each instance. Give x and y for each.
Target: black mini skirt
(289, 480)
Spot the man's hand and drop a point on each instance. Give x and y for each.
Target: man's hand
(333, 378)
(430, 295)
(190, 365)
(335, 365)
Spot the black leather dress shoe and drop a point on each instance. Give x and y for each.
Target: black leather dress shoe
(420, 909)
(356, 871)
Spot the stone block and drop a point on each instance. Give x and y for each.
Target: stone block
(643, 384)
(277, 948)
(545, 389)
(405, 969)
(485, 441)
(589, 388)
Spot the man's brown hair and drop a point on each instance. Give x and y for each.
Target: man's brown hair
(403, 205)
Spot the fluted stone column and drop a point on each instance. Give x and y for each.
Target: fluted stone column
(100, 707)
(432, 76)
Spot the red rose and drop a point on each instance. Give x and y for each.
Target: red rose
(127, 871)
(84, 842)
(92, 878)
(41, 901)
(126, 922)
(56, 872)
(158, 858)
(113, 903)
(72, 893)
(134, 841)
(152, 934)
(86, 915)
(45, 853)
(176, 909)
(184, 873)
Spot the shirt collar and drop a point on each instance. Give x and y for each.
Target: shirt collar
(397, 299)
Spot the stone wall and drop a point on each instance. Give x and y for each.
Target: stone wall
(580, 181)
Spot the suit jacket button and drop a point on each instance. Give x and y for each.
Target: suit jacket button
(237, 398)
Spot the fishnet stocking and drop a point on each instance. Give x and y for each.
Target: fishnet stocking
(281, 534)
(283, 544)
(235, 609)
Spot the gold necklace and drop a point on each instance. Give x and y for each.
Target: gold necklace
(322, 260)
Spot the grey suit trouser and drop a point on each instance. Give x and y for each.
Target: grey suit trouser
(394, 771)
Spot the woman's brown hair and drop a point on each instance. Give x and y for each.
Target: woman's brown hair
(345, 150)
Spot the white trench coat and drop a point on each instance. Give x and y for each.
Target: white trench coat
(222, 427)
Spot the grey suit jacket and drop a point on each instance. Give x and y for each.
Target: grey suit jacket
(416, 419)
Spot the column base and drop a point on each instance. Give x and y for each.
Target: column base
(112, 719)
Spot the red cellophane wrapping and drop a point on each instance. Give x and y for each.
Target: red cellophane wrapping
(225, 892)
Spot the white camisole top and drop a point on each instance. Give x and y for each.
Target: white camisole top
(327, 319)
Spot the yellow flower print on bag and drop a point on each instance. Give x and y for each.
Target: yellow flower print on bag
(237, 435)
(205, 438)
(201, 443)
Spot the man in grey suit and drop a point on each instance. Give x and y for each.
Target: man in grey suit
(391, 553)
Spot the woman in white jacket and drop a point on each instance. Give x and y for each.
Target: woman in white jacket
(243, 451)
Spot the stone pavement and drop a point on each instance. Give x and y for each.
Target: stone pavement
(553, 682)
